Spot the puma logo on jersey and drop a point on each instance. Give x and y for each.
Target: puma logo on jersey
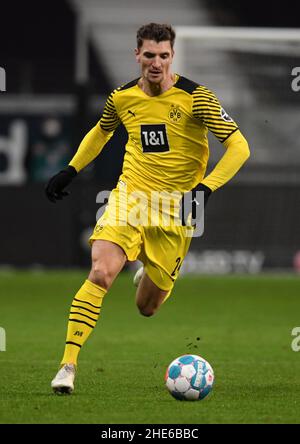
(131, 112)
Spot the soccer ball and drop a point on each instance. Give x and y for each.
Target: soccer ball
(189, 377)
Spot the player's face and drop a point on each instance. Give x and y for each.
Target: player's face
(155, 60)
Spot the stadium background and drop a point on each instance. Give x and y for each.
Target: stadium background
(241, 319)
(252, 224)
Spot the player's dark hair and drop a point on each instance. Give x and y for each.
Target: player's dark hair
(156, 32)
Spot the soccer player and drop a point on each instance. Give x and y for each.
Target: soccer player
(167, 118)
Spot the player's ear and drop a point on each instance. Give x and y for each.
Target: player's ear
(172, 54)
(137, 55)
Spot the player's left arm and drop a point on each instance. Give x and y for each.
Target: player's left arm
(207, 107)
(236, 154)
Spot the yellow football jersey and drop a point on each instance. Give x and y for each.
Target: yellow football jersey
(167, 148)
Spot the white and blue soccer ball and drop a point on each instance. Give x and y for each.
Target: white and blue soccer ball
(189, 377)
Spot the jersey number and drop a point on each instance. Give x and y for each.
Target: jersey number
(154, 138)
(177, 268)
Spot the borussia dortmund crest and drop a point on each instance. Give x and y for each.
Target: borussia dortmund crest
(175, 113)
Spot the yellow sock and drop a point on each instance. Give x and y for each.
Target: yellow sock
(84, 313)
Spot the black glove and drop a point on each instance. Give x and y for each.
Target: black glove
(54, 188)
(189, 203)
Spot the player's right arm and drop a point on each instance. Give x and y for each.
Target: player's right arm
(90, 147)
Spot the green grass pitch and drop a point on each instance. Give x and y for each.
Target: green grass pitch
(244, 325)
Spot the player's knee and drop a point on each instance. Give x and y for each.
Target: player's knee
(146, 310)
(101, 275)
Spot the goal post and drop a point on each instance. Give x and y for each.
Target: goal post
(225, 36)
(255, 72)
